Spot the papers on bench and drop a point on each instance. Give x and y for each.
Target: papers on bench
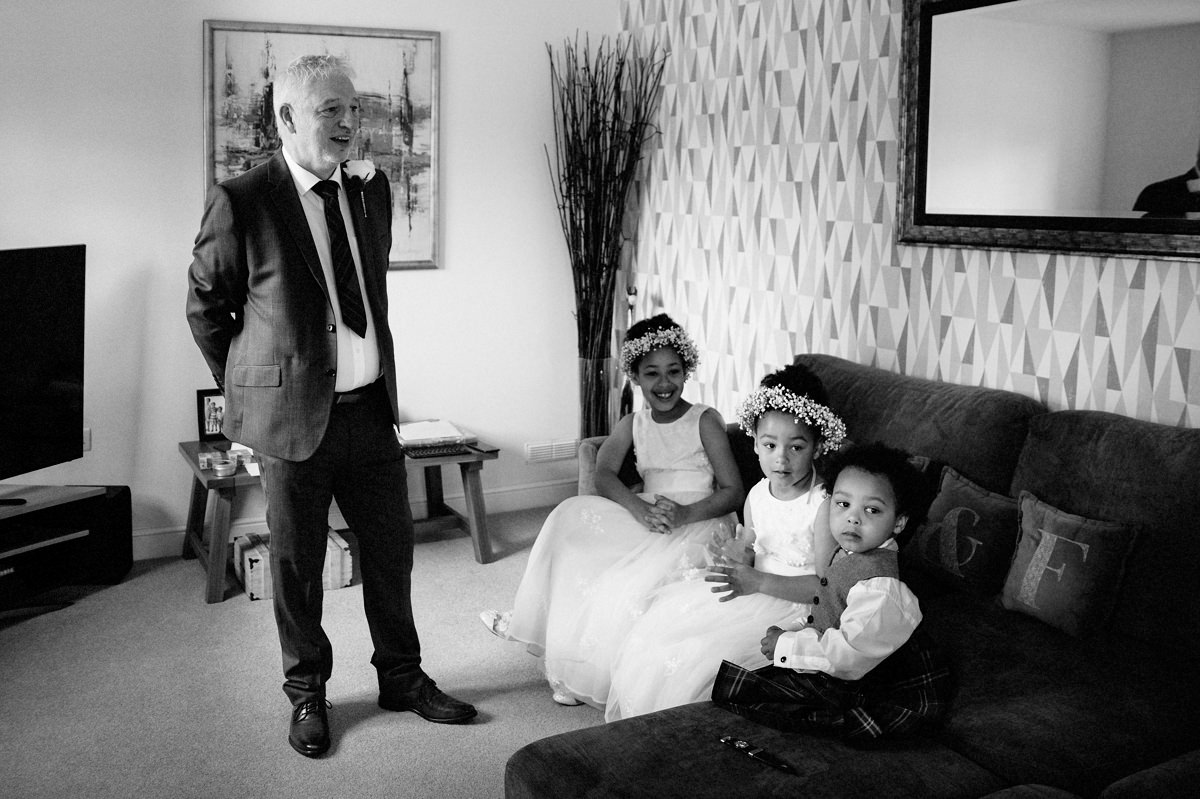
(433, 437)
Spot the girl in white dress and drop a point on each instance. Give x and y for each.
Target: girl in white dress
(598, 558)
(672, 654)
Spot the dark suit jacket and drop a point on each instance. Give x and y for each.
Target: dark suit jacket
(260, 311)
(1168, 198)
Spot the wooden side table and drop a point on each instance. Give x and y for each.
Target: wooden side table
(442, 516)
(215, 553)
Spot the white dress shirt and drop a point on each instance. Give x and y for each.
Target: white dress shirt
(357, 358)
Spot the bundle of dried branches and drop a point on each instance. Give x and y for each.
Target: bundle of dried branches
(603, 104)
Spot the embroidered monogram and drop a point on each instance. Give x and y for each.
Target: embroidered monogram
(1040, 564)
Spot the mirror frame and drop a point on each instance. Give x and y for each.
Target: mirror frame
(1168, 239)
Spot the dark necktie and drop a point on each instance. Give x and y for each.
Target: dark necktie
(344, 274)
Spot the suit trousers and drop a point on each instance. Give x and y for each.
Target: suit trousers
(360, 464)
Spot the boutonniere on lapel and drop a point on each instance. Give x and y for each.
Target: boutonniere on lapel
(358, 174)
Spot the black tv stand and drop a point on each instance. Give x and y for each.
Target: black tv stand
(56, 535)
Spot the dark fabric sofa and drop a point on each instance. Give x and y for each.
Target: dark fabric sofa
(1105, 709)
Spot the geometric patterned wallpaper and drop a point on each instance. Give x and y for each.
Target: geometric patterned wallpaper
(767, 223)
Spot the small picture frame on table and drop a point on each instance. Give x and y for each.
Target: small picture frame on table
(210, 412)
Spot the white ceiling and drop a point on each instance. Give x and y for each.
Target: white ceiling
(1108, 16)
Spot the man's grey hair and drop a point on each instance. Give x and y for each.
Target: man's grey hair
(305, 70)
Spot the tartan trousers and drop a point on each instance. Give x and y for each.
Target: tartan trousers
(910, 688)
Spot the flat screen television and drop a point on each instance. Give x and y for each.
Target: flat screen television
(41, 357)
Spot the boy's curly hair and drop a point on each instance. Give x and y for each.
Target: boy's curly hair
(892, 464)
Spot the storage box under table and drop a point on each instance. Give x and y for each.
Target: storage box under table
(252, 563)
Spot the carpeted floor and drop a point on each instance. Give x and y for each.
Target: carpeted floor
(143, 690)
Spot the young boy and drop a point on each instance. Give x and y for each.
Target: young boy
(860, 667)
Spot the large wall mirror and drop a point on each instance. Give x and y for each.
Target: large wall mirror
(1058, 125)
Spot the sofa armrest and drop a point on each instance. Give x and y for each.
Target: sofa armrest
(1031, 791)
(588, 449)
(1174, 778)
(678, 752)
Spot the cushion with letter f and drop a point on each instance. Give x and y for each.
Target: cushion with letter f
(1067, 569)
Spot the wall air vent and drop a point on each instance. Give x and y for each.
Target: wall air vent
(545, 451)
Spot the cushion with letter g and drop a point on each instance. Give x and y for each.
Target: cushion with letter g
(968, 537)
(1067, 569)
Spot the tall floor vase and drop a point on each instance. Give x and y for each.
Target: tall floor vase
(594, 397)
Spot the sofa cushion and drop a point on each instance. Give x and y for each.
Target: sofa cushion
(1067, 569)
(978, 431)
(1035, 705)
(968, 536)
(1113, 468)
(678, 752)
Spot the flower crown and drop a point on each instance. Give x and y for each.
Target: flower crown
(673, 337)
(777, 398)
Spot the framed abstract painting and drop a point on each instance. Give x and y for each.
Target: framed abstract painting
(396, 77)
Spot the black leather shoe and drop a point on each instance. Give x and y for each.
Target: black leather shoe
(309, 734)
(431, 704)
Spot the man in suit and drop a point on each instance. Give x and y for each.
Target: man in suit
(1177, 197)
(288, 303)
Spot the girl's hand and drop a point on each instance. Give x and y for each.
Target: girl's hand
(734, 579)
(719, 541)
(670, 513)
(736, 546)
(650, 517)
(768, 642)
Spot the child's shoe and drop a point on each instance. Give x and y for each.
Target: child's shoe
(562, 696)
(496, 622)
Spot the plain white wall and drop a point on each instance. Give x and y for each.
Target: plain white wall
(102, 124)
